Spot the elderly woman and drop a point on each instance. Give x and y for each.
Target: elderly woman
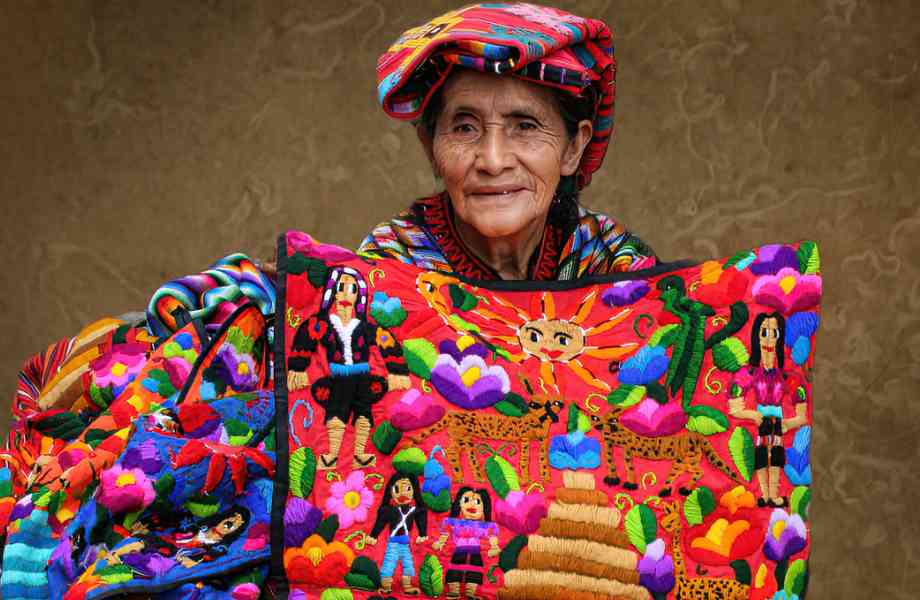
(513, 106)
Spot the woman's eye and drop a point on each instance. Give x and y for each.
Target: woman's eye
(527, 125)
(466, 128)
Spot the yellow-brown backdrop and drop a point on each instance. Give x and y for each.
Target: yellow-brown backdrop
(141, 140)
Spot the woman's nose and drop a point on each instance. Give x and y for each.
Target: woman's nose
(494, 153)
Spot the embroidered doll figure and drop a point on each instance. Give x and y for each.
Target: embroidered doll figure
(470, 521)
(348, 392)
(400, 509)
(771, 385)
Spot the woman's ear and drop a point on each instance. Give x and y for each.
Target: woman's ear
(424, 136)
(576, 147)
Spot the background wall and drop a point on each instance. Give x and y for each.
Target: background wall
(141, 140)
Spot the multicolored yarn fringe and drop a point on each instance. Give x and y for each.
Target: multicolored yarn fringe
(544, 45)
(605, 439)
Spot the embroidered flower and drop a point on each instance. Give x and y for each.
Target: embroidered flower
(650, 419)
(656, 569)
(725, 536)
(246, 591)
(574, 451)
(465, 345)
(773, 258)
(236, 369)
(149, 564)
(300, 521)
(623, 293)
(318, 562)
(788, 291)
(387, 311)
(384, 339)
(645, 366)
(718, 286)
(350, 500)
(798, 462)
(520, 512)
(786, 535)
(125, 490)
(415, 411)
(144, 456)
(470, 384)
(118, 367)
(257, 537)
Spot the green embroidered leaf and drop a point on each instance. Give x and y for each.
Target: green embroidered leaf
(364, 574)
(101, 396)
(657, 392)
(664, 335)
(64, 425)
(302, 472)
(462, 324)
(164, 388)
(578, 421)
(315, 269)
(420, 355)
(164, 486)
(94, 437)
(238, 432)
(626, 395)
(240, 341)
(440, 503)
(799, 501)
(699, 503)
(502, 475)
(115, 574)
(462, 299)
(641, 526)
(389, 319)
(809, 260)
(431, 577)
(742, 571)
(508, 558)
(512, 405)
(706, 420)
(744, 255)
(327, 528)
(337, 594)
(796, 578)
(410, 461)
(730, 355)
(202, 506)
(741, 447)
(386, 437)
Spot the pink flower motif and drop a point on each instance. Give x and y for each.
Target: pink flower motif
(520, 512)
(302, 242)
(788, 291)
(350, 500)
(125, 490)
(650, 419)
(415, 411)
(120, 365)
(245, 591)
(257, 538)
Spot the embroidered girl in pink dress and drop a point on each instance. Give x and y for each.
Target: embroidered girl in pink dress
(771, 386)
(470, 522)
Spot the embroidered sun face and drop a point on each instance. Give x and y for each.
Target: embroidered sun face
(555, 340)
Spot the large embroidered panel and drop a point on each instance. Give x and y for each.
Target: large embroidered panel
(644, 435)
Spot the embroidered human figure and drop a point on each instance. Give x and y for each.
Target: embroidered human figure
(470, 522)
(771, 386)
(400, 510)
(347, 337)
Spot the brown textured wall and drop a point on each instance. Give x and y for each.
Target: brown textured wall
(141, 140)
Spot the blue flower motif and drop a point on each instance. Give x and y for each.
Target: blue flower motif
(798, 463)
(645, 366)
(387, 311)
(574, 451)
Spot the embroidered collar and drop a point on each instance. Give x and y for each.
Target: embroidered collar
(344, 332)
(435, 215)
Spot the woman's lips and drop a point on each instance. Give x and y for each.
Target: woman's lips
(496, 194)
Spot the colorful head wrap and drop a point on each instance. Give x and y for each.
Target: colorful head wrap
(540, 44)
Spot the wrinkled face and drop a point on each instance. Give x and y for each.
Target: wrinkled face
(224, 528)
(501, 146)
(471, 507)
(402, 492)
(769, 333)
(346, 292)
(552, 339)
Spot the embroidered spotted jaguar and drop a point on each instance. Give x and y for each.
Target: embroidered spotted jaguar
(685, 450)
(465, 428)
(696, 588)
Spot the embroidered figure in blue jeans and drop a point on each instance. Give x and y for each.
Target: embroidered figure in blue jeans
(400, 509)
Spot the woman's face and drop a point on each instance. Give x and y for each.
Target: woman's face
(501, 146)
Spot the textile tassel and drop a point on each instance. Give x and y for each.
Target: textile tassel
(551, 592)
(574, 583)
(584, 531)
(601, 515)
(584, 550)
(545, 561)
(593, 497)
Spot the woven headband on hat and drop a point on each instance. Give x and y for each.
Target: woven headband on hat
(540, 44)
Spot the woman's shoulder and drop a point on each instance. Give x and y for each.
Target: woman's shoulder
(600, 244)
(407, 238)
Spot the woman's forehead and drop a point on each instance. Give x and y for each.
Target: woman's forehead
(487, 93)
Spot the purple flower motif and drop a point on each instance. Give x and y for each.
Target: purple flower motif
(465, 346)
(656, 569)
(623, 293)
(144, 456)
(238, 370)
(23, 508)
(300, 520)
(645, 366)
(470, 384)
(61, 559)
(772, 258)
(148, 564)
(574, 451)
(786, 535)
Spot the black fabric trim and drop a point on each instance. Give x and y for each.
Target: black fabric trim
(277, 583)
(509, 285)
